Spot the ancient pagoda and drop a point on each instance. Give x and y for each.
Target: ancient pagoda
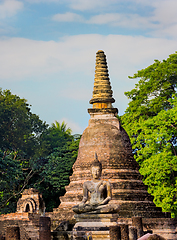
(105, 136)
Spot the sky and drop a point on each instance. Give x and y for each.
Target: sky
(48, 50)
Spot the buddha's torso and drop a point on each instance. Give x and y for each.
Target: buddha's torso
(97, 191)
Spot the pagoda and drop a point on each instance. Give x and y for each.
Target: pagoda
(105, 136)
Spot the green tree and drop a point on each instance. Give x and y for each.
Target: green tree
(54, 137)
(20, 132)
(62, 127)
(19, 128)
(150, 121)
(55, 173)
(10, 177)
(32, 154)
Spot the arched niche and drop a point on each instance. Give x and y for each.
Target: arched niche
(29, 205)
(31, 202)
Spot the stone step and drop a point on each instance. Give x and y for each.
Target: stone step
(115, 184)
(108, 174)
(117, 194)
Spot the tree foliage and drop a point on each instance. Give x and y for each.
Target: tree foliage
(151, 122)
(32, 154)
(61, 153)
(19, 128)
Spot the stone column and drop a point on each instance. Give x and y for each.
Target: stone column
(132, 233)
(114, 232)
(12, 233)
(137, 222)
(124, 232)
(44, 228)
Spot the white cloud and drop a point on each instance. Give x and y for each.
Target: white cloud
(81, 5)
(160, 22)
(165, 11)
(159, 19)
(44, 1)
(21, 58)
(122, 20)
(165, 15)
(67, 17)
(105, 18)
(91, 4)
(9, 8)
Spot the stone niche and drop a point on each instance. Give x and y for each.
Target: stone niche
(31, 202)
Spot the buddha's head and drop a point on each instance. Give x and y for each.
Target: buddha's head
(96, 168)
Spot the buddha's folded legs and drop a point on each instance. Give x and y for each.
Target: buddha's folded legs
(107, 208)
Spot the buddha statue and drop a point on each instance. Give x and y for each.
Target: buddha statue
(99, 191)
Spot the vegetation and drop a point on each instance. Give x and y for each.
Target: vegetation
(151, 122)
(32, 154)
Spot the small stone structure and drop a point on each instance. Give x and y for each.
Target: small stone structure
(31, 201)
(27, 223)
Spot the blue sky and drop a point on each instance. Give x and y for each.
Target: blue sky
(48, 48)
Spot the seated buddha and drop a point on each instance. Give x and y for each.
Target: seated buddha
(99, 191)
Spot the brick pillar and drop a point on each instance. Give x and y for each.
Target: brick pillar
(114, 232)
(44, 228)
(124, 232)
(137, 222)
(132, 233)
(12, 233)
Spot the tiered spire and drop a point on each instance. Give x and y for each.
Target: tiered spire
(102, 93)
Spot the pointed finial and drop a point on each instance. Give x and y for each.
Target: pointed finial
(102, 93)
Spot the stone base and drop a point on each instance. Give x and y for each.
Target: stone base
(94, 226)
(91, 235)
(99, 226)
(94, 222)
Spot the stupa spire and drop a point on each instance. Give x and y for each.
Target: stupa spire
(102, 93)
(102, 98)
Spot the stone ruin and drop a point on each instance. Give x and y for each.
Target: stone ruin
(104, 135)
(28, 223)
(31, 201)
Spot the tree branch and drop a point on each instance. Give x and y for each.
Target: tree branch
(173, 126)
(174, 150)
(29, 176)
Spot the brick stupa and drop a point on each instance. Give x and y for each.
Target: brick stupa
(109, 140)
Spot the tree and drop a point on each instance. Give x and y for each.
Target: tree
(10, 177)
(20, 131)
(54, 137)
(61, 127)
(19, 128)
(55, 173)
(32, 154)
(150, 121)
